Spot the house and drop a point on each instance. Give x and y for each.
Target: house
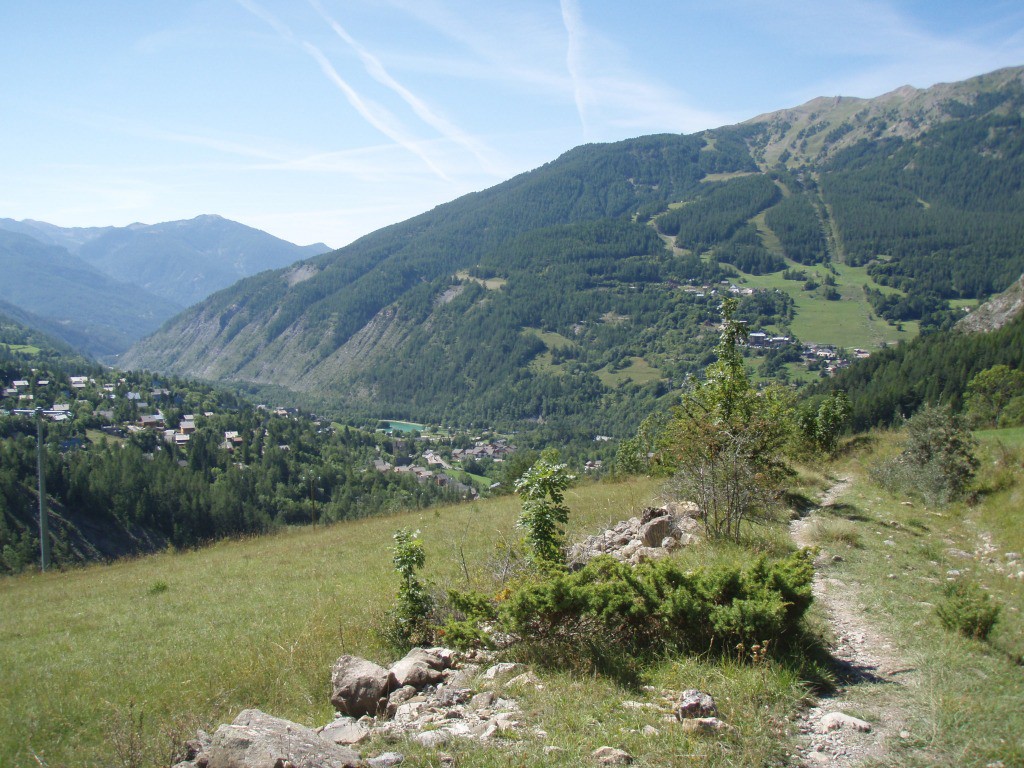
(434, 459)
(152, 421)
(43, 383)
(187, 427)
(181, 440)
(20, 383)
(79, 382)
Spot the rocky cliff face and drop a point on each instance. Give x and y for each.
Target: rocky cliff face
(996, 312)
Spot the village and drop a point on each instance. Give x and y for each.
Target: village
(120, 409)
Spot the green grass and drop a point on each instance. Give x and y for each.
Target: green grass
(1012, 437)
(491, 283)
(639, 371)
(849, 322)
(96, 436)
(709, 177)
(254, 623)
(551, 339)
(23, 349)
(406, 426)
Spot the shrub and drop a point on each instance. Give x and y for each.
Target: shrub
(937, 462)
(658, 606)
(471, 614)
(967, 609)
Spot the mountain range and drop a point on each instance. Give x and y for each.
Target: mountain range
(102, 288)
(583, 290)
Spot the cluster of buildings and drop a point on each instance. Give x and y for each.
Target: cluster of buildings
(482, 449)
(425, 474)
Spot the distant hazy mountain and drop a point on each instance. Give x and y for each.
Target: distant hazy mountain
(79, 304)
(586, 286)
(181, 261)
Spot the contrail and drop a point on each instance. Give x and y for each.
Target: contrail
(377, 71)
(573, 21)
(370, 113)
(367, 112)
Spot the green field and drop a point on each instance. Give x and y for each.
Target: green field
(1012, 437)
(491, 283)
(23, 349)
(849, 322)
(551, 339)
(639, 371)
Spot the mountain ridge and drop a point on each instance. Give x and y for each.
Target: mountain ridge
(102, 288)
(559, 280)
(181, 261)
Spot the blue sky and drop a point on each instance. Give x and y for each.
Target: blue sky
(322, 120)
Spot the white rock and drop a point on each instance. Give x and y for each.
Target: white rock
(503, 668)
(835, 720)
(432, 739)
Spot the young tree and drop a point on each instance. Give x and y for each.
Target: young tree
(726, 440)
(542, 488)
(821, 421)
(413, 604)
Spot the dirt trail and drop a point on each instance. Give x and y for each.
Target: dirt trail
(871, 673)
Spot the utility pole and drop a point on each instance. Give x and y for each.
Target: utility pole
(44, 513)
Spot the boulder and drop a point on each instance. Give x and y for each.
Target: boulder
(704, 725)
(611, 756)
(257, 740)
(833, 721)
(360, 687)
(386, 760)
(345, 730)
(653, 532)
(503, 668)
(419, 668)
(693, 703)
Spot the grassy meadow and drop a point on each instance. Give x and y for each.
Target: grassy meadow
(847, 322)
(188, 639)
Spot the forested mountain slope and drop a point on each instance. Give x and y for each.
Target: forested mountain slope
(579, 292)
